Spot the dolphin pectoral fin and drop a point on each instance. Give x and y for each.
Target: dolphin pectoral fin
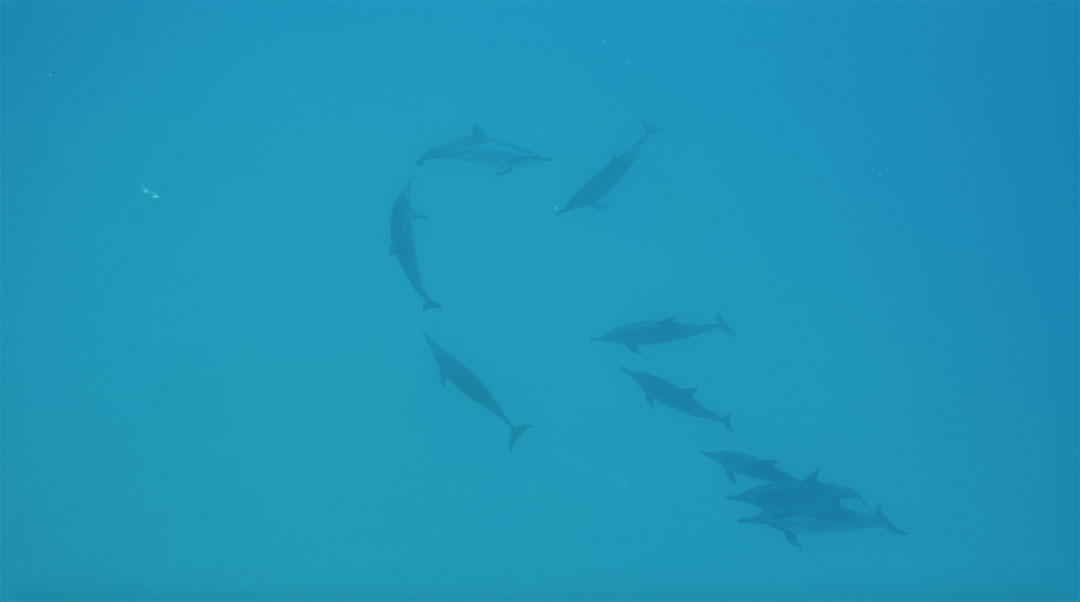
(442, 378)
(417, 215)
(597, 205)
(726, 419)
(613, 158)
(477, 133)
(504, 171)
(867, 504)
(648, 400)
(792, 538)
(770, 462)
(723, 325)
(731, 475)
(516, 432)
(633, 347)
(430, 304)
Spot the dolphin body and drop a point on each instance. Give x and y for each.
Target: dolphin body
(680, 399)
(606, 179)
(480, 148)
(450, 368)
(403, 246)
(836, 518)
(652, 332)
(790, 494)
(738, 462)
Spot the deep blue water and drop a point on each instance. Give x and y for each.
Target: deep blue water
(224, 392)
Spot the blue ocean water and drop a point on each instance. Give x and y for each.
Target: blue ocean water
(215, 383)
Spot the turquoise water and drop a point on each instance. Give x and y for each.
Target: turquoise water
(218, 387)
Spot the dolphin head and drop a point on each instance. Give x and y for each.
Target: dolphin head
(719, 456)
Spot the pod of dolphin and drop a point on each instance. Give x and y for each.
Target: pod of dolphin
(792, 506)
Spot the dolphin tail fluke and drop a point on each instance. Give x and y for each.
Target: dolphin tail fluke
(650, 128)
(723, 325)
(887, 523)
(516, 432)
(431, 304)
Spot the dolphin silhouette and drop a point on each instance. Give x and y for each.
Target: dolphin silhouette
(603, 181)
(482, 149)
(450, 368)
(738, 462)
(835, 518)
(403, 247)
(658, 389)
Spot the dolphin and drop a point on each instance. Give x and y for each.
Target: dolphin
(606, 179)
(737, 462)
(792, 493)
(652, 332)
(480, 148)
(680, 399)
(834, 519)
(403, 246)
(450, 368)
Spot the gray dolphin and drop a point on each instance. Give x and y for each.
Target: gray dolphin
(680, 399)
(402, 245)
(450, 368)
(792, 494)
(480, 148)
(836, 518)
(738, 462)
(652, 332)
(606, 179)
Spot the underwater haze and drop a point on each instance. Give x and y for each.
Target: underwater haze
(851, 226)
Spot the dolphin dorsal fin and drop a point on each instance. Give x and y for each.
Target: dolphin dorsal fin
(477, 132)
(668, 320)
(613, 157)
(689, 392)
(770, 462)
(810, 480)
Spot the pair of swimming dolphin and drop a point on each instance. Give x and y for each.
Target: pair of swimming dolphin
(453, 370)
(654, 332)
(481, 149)
(795, 506)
